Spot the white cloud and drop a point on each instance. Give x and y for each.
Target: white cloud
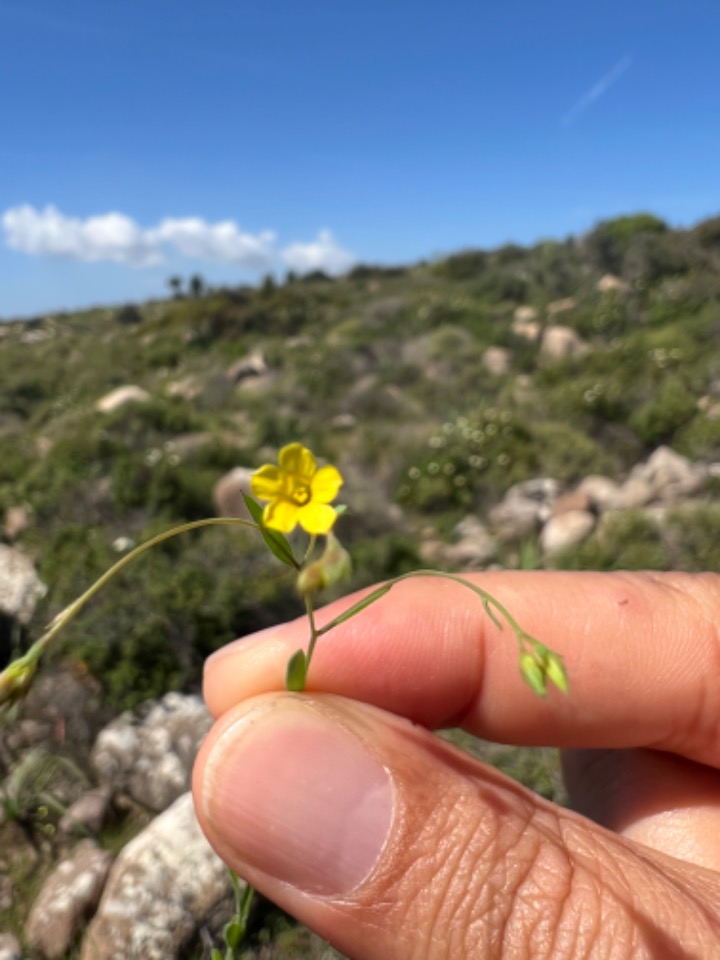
(117, 238)
(322, 254)
(221, 242)
(48, 233)
(597, 91)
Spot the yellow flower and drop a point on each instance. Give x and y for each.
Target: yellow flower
(298, 492)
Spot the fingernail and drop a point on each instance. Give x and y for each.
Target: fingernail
(300, 797)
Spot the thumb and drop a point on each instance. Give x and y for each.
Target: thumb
(393, 845)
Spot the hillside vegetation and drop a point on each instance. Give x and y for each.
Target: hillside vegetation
(434, 388)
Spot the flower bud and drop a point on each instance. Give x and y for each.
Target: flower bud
(332, 566)
(555, 671)
(15, 681)
(533, 674)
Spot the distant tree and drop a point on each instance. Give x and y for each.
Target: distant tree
(268, 285)
(316, 276)
(290, 277)
(128, 315)
(196, 285)
(465, 265)
(610, 241)
(175, 283)
(708, 232)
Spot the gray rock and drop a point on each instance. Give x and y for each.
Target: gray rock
(572, 500)
(10, 948)
(610, 283)
(161, 889)
(496, 361)
(524, 508)
(561, 306)
(566, 530)
(17, 520)
(475, 546)
(64, 708)
(253, 365)
(227, 495)
(88, 812)
(561, 343)
(527, 329)
(670, 475)
(635, 492)
(525, 314)
(121, 396)
(344, 421)
(602, 492)
(20, 586)
(149, 753)
(66, 900)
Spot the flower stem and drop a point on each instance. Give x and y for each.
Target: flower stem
(30, 658)
(314, 632)
(489, 602)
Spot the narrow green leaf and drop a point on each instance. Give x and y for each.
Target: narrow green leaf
(296, 672)
(276, 541)
(233, 933)
(358, 607)
(215, 954)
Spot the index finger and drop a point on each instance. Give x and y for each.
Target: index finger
(641, 651)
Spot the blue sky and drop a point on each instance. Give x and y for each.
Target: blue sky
(232, 138)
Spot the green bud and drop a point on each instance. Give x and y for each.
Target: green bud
(332, 566)
(555, 671)
(533, 674)
(15, 681)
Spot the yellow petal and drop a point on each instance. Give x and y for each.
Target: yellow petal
(316, 518)
(298, 460)
(267, 482)
(325, 484)
(281, 515)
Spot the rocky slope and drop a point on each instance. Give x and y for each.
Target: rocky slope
(557, 406)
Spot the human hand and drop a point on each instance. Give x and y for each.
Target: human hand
(340, 806)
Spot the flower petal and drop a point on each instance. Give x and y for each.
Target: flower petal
(316, 518)
(326, 484)
(281, 515)
(267, 482)
(298, 460)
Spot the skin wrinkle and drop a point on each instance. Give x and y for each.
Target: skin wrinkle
(501, 826)
(547, 895)
(614, 877)
(700, 730)
(642, 895)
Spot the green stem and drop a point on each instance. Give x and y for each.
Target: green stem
(71, 611)
(489, 602)
(310, 547)
(314, 632)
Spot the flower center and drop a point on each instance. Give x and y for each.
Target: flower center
(301, 494)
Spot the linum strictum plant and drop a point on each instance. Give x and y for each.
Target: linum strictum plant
(293, 493)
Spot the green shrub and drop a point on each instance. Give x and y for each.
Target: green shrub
(693, 534)
(567, 454)
(472, 458)
(659, 419)
(462, 266)
(610, 240)
(627, 540)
